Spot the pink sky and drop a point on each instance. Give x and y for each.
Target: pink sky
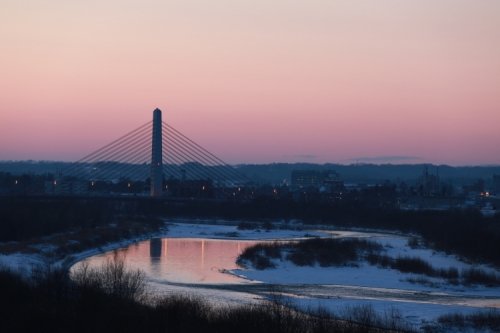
(255, 80)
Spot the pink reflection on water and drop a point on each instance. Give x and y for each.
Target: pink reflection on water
(183, 260)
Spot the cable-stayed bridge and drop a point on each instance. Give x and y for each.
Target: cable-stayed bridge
(154, 158)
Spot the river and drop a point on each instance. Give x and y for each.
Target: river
(181, 260)
(202, 266)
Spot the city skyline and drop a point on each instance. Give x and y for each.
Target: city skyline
(256, 82)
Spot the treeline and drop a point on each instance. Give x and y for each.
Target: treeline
(109, 300)
(22, 218)
(465, 233)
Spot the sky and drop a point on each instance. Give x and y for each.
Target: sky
(255, 81)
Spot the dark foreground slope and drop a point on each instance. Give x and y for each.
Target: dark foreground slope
(111, 300)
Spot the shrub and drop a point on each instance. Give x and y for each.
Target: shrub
(113, 278)
(322, 251)
(301, 259)
(451, 274)
(479, 320)
(413, 242)
(186, 313)
(247, 226)
(83, 307)
(380, 260)
(267, 226)
(479, 276)
(419, 266)
(367, 318)
(260, 255)
(413, 265)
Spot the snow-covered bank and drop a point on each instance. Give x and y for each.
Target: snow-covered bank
(366, 275)
(24, 263)
(184, 229)
(215, 297)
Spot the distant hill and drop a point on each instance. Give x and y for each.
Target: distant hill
(33, 167)
(371, 173)
(277, 173)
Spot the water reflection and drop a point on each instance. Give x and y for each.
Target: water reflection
(181, 260)
(155, 245)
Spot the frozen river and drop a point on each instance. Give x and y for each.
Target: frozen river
(181, 260)
(201, 259)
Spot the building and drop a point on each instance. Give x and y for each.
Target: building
(314, 178)
(429, 184)
(66, 187)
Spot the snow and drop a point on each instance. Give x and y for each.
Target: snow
(333, 288)
(397, 246)
(416, 314)
(215, 297)
(363, 274)
(181, 229)
(23, 263)
(20, 263)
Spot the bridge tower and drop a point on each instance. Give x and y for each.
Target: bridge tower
(156, 156)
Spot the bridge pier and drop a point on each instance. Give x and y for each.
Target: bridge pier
(156, 156)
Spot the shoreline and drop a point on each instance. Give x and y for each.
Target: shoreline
(72, 259)
(24, 263)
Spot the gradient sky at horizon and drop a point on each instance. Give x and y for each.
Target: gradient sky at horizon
(255, 80)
